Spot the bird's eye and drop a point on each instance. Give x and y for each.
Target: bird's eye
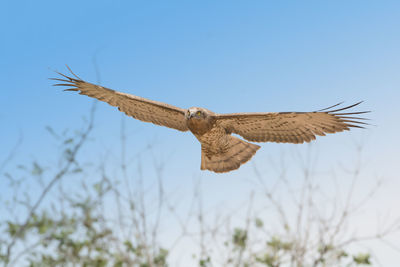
(198, 113)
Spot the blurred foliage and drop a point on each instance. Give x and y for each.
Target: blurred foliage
(239, 238)
(78, 230)
(279, 252)
(80, 237)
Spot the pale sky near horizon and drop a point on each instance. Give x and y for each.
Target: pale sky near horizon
(227, 56)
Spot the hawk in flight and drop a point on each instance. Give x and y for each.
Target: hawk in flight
(220, 151)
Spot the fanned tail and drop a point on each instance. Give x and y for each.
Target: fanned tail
(237, 153)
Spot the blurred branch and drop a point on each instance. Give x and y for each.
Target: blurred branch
(70, 160)
(12, 153)
(305, 224)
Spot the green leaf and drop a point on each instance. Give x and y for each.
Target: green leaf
(43, 229)
(204, 262)
(362, 258)
(277, 244)
(129, 246)
(240, 237)
(342, 254)
(77, 170)
(161, 258)
(259, 223)
(69, 141)
(268, 260)
(36, 170)
(97, 187)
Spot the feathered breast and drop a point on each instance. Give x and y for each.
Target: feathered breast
(199, 126)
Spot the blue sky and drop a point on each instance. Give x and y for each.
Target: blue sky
(227, 56)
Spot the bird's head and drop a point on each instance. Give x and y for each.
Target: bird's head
(197, 113)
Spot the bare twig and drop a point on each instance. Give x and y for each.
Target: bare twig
(12, 153)
(69, 164)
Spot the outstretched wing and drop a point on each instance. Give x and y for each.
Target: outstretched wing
(290, 127)
(134, 106)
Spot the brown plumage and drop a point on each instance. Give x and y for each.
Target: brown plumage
(220, 151)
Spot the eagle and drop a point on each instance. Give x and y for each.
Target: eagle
(220, 150)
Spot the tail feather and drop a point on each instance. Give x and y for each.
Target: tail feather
(237, 153)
